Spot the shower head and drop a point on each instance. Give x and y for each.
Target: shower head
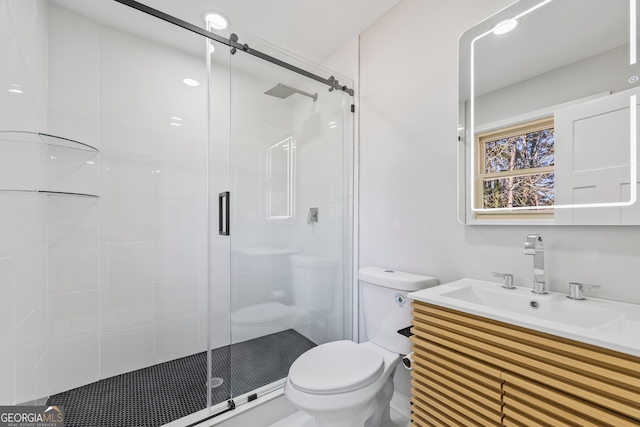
(283, 91)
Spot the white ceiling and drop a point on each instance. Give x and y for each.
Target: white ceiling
(311, 29)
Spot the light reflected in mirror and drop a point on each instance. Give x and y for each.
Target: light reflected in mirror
(281, 179)
(548, 115)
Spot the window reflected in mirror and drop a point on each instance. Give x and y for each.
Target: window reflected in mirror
(516, 169)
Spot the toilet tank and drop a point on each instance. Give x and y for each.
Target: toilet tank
(312, 282)
(386, 308)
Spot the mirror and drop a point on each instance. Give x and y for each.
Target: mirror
(548, 115)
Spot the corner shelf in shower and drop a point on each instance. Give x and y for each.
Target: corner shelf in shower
(76, 152)
(51, 193)
(47, 139)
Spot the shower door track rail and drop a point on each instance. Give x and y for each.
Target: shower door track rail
(235, 45)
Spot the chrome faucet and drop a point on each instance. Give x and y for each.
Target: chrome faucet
(533, 246)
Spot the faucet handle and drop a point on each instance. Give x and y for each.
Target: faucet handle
(576, 289)
(507, 279)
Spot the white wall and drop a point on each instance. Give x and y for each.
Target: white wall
(408, 117)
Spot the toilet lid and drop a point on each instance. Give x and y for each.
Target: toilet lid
(335, 367)
(260, 313)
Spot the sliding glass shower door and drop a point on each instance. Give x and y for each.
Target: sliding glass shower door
(290, 180)
(174, 218)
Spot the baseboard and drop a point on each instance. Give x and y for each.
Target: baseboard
(401, 404)
(269, 409)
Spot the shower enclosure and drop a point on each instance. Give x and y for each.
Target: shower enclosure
(175, 214)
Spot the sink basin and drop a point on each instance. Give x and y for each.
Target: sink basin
(608, 324)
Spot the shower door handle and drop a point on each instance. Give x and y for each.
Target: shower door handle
(223, 213)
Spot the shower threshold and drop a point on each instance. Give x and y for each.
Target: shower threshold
(160, 394)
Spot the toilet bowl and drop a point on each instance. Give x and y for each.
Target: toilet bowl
(344, 384)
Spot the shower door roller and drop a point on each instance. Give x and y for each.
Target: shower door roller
(223, 213)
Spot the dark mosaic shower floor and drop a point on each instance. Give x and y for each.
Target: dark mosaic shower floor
(159, 394)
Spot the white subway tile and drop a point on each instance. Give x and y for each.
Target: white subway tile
(172, 96)
(126, 350)
(6, 324)
(25, 373)
(7, 392)
(25, 29)
(73, 42)
(220, 331)
(73, 363)
(6, 279)
(126, 198)
(74, 118)
(73, 242)
(40, 326)
(175, 144)
(73, 315)
(175, 181)
(126, 103)
(42, 376)
(126, 287)
(176, 240)
(176, 338)
(177, 298)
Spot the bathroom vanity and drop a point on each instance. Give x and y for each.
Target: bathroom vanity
(474, 370)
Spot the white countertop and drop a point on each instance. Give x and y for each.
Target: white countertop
(609, 324)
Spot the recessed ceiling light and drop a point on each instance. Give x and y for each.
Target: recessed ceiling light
(216, 20)
(191, 82)
(505, 26)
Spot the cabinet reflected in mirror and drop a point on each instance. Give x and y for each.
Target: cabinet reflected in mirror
(570, 65)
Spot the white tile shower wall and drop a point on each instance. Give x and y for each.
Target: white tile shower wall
(122, 93)
(73, 76)
(23, 234)
(408, 173)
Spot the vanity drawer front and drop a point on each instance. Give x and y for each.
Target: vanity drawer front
(597, 375)
(532, 404)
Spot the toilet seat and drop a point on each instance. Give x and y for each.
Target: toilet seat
(336, 367)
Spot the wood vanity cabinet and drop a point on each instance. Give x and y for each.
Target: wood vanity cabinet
(473, 371)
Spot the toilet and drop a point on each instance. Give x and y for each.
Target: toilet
(344, 384)
(311, 294)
